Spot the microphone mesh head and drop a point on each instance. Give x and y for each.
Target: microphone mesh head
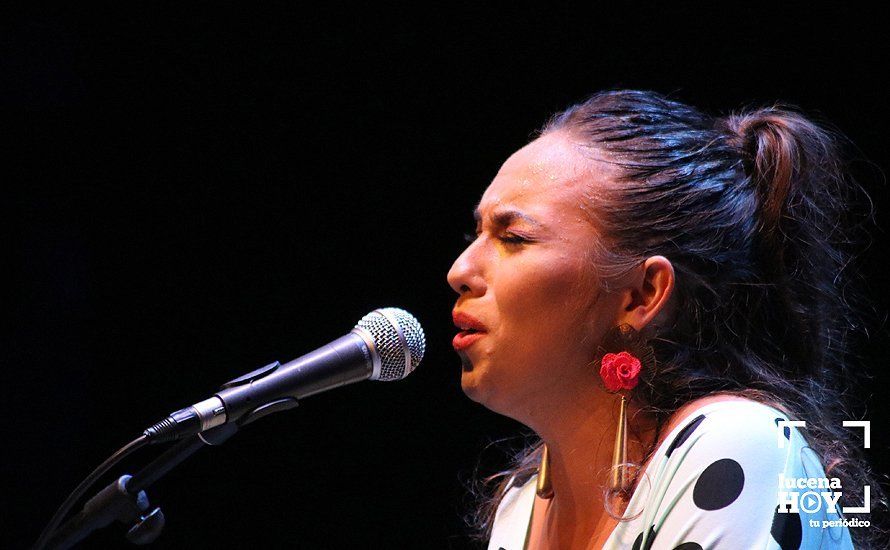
(398, 340)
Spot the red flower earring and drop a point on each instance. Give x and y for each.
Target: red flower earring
(620, 371)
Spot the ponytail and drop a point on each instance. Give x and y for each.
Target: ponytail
(787, 157)
(802, 193)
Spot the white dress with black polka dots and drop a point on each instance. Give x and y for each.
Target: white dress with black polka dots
(713, 483)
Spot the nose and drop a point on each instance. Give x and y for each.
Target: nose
(465, 275)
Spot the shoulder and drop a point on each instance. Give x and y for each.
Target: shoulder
(726, 444)
(734, 425)
(726, 405)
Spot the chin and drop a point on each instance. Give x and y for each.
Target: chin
(468, 383)
(475, 387)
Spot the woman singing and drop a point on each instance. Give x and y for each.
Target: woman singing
(657, 293)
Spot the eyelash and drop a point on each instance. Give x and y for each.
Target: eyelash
(510, 238)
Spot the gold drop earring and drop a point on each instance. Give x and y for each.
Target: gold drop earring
(621, 372)
(544, 488)
(618, 480)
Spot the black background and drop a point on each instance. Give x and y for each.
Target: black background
(198, 190)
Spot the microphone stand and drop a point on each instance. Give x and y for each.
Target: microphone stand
(124, 499)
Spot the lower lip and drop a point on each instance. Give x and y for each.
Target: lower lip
(463, 340)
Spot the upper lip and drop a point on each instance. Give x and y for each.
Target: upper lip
(465, 321)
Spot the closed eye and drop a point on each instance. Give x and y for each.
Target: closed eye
(509, 238)
(513, 238)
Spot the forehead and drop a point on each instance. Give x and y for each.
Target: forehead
(548, 177)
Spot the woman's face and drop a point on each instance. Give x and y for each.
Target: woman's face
(527, 283)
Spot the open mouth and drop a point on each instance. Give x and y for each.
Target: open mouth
(466, 338)
(471, 330)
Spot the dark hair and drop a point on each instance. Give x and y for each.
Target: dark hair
(755, 210)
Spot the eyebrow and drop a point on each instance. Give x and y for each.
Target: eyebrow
(503, 218)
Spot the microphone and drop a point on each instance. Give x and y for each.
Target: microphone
(386, 344)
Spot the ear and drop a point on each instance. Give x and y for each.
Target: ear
(648, 292)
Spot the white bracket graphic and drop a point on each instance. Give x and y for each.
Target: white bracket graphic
(866, 504)
(866, 429)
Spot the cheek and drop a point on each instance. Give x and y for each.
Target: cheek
(545, 327)
(544, 297)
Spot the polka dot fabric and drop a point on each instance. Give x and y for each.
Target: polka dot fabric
(713, 484)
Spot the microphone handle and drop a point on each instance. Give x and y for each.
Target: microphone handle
(275, 387)
(343, 361)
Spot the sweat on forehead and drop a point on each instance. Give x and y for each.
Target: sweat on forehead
(552, 170)
(551, 157)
